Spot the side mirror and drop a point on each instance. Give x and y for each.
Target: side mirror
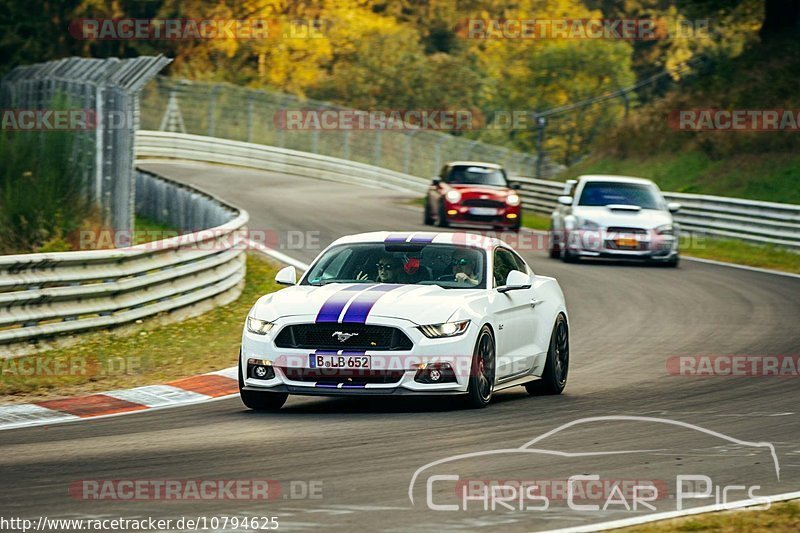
(565, 200)
(436, 181)
(286, 276)
(516, 280)
(514, 185)
(674, 207)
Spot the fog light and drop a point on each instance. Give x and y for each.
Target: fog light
(511, 215)
(435, 373)
(260, 369)
(452, 212)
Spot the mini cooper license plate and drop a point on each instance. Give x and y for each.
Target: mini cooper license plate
(483, 211)
(339, 361)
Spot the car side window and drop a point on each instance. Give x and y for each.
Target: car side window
(503, 264)
(519, 264)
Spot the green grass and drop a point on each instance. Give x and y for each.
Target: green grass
(147, 230)
(153, 355)
(743, 253)
(779, 517)
(770, 177)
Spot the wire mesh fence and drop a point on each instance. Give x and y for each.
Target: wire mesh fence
(106, 92)
(242, 114)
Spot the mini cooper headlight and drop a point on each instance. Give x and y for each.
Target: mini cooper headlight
(259, 327)
(512, 200)
(453, 196)
(447, 329)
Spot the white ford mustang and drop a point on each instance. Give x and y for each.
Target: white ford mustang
(407, 313)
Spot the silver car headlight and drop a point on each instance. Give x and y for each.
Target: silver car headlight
(666, 229)
(259, 327)
(446, 329)
(589, 225)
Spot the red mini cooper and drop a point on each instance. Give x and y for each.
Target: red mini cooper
(469, 192)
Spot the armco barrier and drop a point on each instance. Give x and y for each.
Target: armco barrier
(47, 294)
(749, 220)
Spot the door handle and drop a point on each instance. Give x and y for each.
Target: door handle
(535, 302)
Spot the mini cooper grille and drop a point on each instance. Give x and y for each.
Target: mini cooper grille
(345, 376)
(477, 202)
(355, 336)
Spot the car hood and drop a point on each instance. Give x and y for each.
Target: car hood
(420, 304)
(476, 191)
(605, 217)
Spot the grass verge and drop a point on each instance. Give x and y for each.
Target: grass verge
(107, 360)
(779, 517)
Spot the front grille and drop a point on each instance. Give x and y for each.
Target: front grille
(316, 336)
(627, 231)
(345, 376)
(477, 202)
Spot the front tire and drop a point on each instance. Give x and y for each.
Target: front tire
(556, 367)
(442, 216)
(428, 217)
(555, 248)
(481, 377)
(259, 401)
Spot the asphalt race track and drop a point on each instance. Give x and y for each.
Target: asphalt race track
(361, 455)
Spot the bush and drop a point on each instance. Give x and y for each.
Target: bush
(42, 191)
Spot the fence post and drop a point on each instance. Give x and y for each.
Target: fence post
(212, 110)
(541, 123)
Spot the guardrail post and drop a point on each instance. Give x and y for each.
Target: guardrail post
(212, 110)
(249, 117)
(541, 123)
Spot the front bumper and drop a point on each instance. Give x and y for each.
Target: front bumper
(644, 246)
(506, 216)
(391, 373)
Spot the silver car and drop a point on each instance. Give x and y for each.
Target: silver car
(615, 217)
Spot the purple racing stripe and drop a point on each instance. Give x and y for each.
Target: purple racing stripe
(333, 306)
(397, 237)
(360, 307)
(424, 238)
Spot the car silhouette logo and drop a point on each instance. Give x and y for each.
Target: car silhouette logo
(342, 337)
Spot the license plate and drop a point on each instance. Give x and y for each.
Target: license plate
(483, 211)
(627, 242)
(339, 361)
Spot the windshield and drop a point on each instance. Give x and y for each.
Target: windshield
(449, 266)
(596, 193)
(466, 175)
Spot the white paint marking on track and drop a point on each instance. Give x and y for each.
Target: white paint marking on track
(158, 395)
(639, 520)
(27, 414)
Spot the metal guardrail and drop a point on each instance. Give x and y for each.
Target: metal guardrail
(749, 220)
(46, 294)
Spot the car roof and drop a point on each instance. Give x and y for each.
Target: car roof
(614, 179)
(470, 240)
(473, 164)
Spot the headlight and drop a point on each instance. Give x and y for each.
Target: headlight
(453, 196)
(259, 327)
(512, 200)
(588, 224)
(666, 229)
(448, 329)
